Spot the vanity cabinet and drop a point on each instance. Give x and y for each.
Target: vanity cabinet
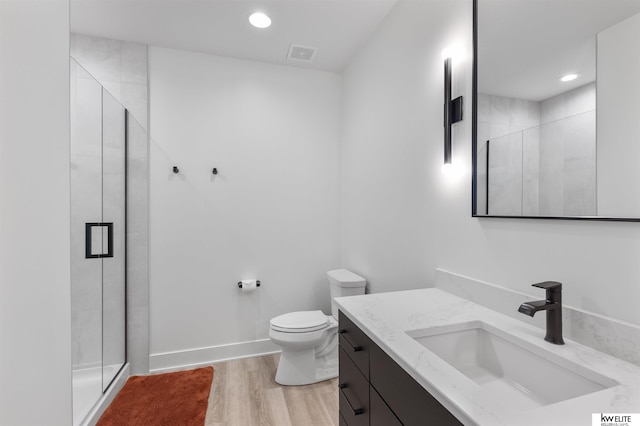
(375, 390)
(353, 393)
(380, 413)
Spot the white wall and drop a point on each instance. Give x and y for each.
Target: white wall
(618, 124)
(271, 213)
(35, 313)
(401, 218)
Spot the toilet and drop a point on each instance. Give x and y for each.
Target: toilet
(309, 339)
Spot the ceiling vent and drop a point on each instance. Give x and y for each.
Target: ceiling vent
(301, 53)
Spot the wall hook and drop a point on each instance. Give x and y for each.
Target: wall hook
(214, 171)
(176, 169)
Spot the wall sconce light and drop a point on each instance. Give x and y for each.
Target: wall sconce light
(452, 110)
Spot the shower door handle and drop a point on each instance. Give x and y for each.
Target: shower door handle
(89, 228)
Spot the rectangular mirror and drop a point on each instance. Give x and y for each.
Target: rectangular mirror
(556, 117)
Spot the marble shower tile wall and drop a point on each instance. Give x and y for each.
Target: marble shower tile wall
(505, 169)
(85, 183)
(616, 338)
(504, 118)
(570, 103)
(542, 154)
(121, 67)
(568, 153)
(568, 166)
(531, 172)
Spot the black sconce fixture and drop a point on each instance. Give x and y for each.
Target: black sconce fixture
(452, 110)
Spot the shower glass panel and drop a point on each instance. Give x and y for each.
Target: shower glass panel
(113, 211)
(545, 170)
(98, 179)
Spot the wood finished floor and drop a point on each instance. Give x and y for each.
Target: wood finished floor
(244, 393)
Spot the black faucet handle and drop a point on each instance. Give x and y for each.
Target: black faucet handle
(549, 285)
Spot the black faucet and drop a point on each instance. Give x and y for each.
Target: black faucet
(553, 306)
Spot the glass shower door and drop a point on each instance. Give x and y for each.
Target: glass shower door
(113, 212)
(86, 206)
(98, 179)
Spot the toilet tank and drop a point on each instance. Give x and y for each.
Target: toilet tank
(344, 283)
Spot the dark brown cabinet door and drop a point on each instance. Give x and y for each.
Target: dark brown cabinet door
(353, 392)
(410, 402)
(380, 414)
(375, 390)
(355, 343)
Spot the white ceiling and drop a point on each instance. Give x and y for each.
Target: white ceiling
(220, 27)
(525, 46)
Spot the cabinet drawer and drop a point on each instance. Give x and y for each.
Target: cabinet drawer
(355, 343)
(379, 412)
(411, 403)
(353, 393)
(341, 420)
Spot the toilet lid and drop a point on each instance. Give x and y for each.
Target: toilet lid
(300, 322)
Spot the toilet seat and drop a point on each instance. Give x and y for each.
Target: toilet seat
(300, 322)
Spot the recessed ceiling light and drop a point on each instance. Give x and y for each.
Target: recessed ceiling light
(259, 20)
(569, 77)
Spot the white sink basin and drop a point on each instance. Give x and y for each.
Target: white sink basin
(515, 371)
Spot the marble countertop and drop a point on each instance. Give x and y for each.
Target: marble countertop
(385, 318)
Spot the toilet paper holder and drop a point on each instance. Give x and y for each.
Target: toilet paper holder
(240, 283)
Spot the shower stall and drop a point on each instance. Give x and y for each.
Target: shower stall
(99, 128)
(545, 170)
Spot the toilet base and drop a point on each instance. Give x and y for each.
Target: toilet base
(303, 368)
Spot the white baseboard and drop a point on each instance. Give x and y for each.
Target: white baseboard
(178, 360)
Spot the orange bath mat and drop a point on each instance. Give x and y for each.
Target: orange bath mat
(170, 399)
